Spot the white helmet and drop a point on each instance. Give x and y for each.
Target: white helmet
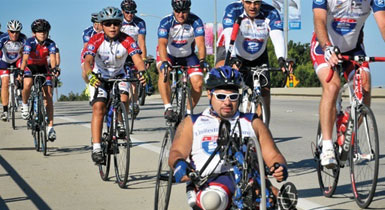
(14, 25)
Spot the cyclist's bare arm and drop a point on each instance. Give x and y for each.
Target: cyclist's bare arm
(319, 16)
(57, 55)
(142, 45)
(200, 42)
(88, 61)
(162, 48)
(182, 143)
(52, 58)
(24, 61)
(270, 152)
(139, 63)
(380, 19)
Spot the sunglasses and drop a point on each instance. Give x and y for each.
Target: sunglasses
(130, 12)
(182, 11)
(252, 2)
(108, 23)
(223, 96)
(14, 32)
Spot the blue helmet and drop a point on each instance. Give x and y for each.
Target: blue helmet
(110, 13)
(223, 77)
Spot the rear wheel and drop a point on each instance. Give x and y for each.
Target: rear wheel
(327, 178)
(364, 157)
(164, 176)
(121, 144)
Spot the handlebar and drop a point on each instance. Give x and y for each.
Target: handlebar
(177, 67)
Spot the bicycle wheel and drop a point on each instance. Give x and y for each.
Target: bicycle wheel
(181, 110)
(142, 94)
(364, 157)
(36, 139)
(327, 178)
(104, 168)
(164, 176)
(132, 113)
(13, 106)
(121, 144)
(42, 124)
(260, 109)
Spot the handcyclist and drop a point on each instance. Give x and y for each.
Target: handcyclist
(196, 137)
(259, 21)
(35, 53)
(338, 25)
(11, 47)
(105, 55)
(136, 28)
(178, 33)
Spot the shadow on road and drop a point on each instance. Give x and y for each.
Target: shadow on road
(302, 167)
(145, 180)
(72, 123)
(17, 148)
(135, 144)
(29, 192)
(73, 150)
(284, 139)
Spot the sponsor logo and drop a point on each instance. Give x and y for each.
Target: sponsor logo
(134, 45)
(179, 43)
(27, 48)
(91, 47)
(162, 32)
(199, 30)
(209, 143)
(319, 2)
(252, 46)
(343, 25)
(228, 21)
(379, 3)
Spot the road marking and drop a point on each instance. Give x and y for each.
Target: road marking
(302, 203)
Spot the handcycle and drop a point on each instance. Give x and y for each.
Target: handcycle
(38, 119)
(115, 134)
(180, 94)
(248, 171)
(355, 138)
(13, 95)
(144, 89)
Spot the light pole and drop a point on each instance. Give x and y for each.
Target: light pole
(215, 32)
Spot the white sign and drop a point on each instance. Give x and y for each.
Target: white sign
(294, 12)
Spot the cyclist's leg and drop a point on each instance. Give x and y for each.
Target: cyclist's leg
(164, 90)
(4, 92)
(196, 80)
(366, 84)
(124, 94)
(26, 92)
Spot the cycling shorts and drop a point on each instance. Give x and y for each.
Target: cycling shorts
(102, 93)
(191, 60)
(38, 69)
(248, 77)
(318, 58)
(4, 72)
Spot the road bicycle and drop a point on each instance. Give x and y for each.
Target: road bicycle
(252, 100)
(144, 89)
(38, 120)
(115, 134)
(248, 170)
(180, 94)
(13, 95)
(355, 138)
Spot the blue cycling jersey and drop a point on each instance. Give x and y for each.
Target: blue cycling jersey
(134, 28)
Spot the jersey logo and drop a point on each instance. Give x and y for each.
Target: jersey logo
(379, 3)
(162, 32)
(227, 22)
(252, 45)
(199, 30)
(343, 25)
(27, 48)
(319, 2)
(209, 143)
(179, 43)
(90, 47)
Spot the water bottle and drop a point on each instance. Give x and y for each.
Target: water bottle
(191, 194)
(344, 138)
(109, 116)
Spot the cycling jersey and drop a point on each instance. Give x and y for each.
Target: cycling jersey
(10, 51)
(38, 52)
(346, 18)
(181, 37)
(205, 135)
(253, 33)
(88, 33)
(110, 55)
(134, 28)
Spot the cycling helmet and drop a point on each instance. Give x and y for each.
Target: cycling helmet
(128, 6)
(95, 17)
(14, 25)
(180, 5)
(40, 25)
(223, 77)
(110, 13)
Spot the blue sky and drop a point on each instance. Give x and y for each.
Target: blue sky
(69, 18)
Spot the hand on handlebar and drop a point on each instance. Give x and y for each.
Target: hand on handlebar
(203, 65)
(94, 81)
(285, 65)
(279, 172)
(143, 77)
(180, 171)
(332, 55)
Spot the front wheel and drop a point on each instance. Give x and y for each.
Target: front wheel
(164, 176)
(42, 124)
(13, 106)
(121, 144)
(364, 157)
(260, 109)
(142, 94)
(104, 167)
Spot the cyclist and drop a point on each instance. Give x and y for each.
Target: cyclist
(339, 25)
(36, 50)
(11, 46)
(259, 21)
(136, 28)
(196, 136)
(107, 52)
(178, 33)
(1, 31)
(92, 30)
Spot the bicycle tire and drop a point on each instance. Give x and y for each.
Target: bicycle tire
(104, 168)
(132, 113)
(163, 184)
(142, 94)
(121, 145)
(327, 178)
(36, 140)
(259, 103)
(42, 124)
(13, 106)
(364, 157)
(181, 104)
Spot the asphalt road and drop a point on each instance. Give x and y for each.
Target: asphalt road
(67, 178)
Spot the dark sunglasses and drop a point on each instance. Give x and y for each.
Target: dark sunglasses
(108, 23)
(223, 96)
(14, 32)
(183, 11)
(253, 2)
(130, 12)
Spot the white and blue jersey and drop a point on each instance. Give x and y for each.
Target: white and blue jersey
(346, 19)
(134, 28)
(181, 37)
(253, 33)
(10, 51)
(88, 33)
(205, 135)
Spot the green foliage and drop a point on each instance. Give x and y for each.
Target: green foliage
(74, 97)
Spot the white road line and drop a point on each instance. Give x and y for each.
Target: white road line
(302, 203)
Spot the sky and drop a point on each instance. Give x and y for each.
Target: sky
(68, 19)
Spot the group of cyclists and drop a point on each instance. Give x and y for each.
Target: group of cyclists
(118, 37)
(37, 54)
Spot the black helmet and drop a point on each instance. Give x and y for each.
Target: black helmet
(180, 5)
(223, 77)
(128, 6)
(95, 17)
(40, 25)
